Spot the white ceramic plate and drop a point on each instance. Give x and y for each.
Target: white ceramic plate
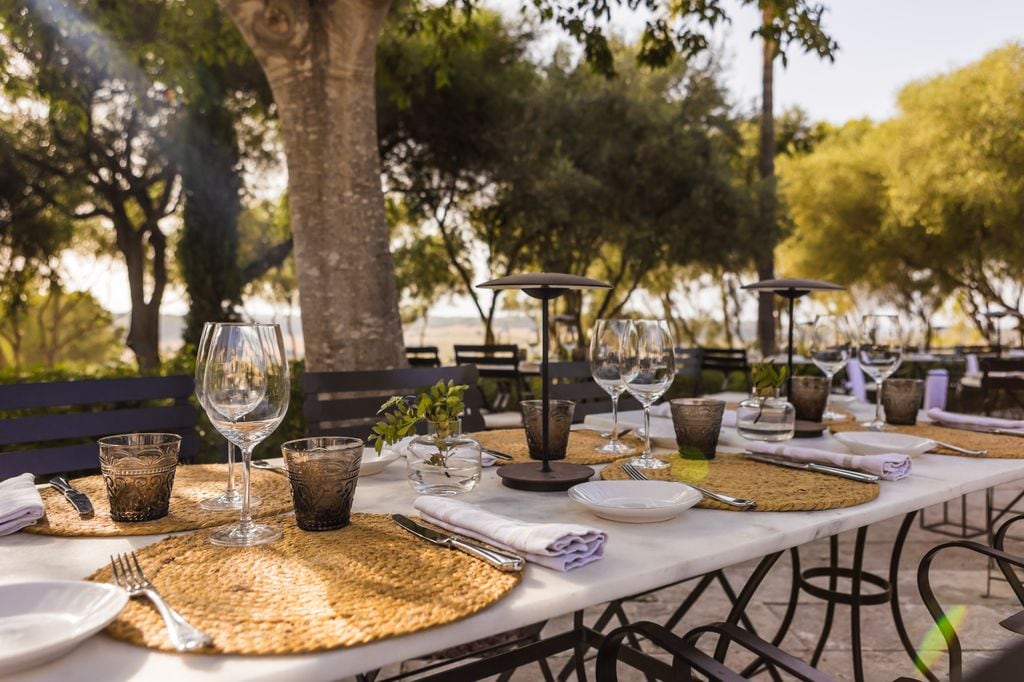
(40, 621)
(880, 443)
(635, 501)
(372, 463)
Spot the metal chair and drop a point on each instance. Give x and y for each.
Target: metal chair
(688, 659)
(51, 427)
(1001, 376)
(501, 363)
(346, 403)
(688, 367)
(728, 361)
(573, 381)
(423, 356)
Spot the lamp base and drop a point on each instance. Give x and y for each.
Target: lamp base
(528, 476)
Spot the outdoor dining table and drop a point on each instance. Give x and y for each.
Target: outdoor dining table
(639, 557)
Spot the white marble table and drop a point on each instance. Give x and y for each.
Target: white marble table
(639, 557)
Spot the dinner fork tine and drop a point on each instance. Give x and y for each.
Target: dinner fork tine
(637, 475)
(128, 574)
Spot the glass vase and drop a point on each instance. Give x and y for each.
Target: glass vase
(766, 418)
(443, 462)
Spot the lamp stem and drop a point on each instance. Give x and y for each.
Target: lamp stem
(789, 362)
(544, 381)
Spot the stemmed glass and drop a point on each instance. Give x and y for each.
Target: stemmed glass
(247, 390)
(879, 354)
(831, 345)
(648, 368)
(569, 338)
(230, 498)
(606, 349)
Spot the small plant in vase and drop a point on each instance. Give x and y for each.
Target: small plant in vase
(443, 462)
(764, 415)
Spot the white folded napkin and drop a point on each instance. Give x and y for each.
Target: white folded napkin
(976, 421)
(891, 467)
(402, 448)
(664, 410)
(561, 546)
(20, 503)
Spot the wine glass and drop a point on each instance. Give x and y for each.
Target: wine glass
(230, 498)
(569, 338)
(648, 369)
(879, 354)
(606, 348)
(831, 345)
(247, 390)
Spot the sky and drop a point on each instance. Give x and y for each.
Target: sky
(883, 45)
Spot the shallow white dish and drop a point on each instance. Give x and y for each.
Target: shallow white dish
(40, 621)
(635, 501)
(880, 443)
(372, 463)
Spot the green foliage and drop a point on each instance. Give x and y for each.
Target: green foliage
(439, 405)
(768, 378)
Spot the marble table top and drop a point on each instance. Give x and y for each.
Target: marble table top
(638, 558)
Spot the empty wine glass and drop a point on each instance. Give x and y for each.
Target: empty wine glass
(606, 347)
(879, 354)
(569, 338)
(648, 368)
(230, 498)
(247, 391)
(830, 347)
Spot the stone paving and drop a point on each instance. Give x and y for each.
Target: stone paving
(959, 579)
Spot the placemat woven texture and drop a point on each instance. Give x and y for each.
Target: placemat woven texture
(580, 450)
(308, 591)
(192, 484)
(775, 488)
(999, 447)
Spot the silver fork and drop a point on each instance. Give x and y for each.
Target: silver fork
(957, 448)
(638, 475)
(129, 576)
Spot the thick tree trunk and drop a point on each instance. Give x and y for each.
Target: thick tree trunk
(319, 60)
(766, 165)
(144, 325)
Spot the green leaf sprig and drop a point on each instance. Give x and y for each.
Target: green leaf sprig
(441, 405)
(767, 377)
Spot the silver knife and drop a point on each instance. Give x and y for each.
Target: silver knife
(498, 455)
(814, 466)
(980, 429)
(502, 561)
(76, 497)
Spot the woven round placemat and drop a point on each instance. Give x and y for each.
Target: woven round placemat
(998, 446)
(580, 450)
(192, 484)
(308, 591)
(775, 488)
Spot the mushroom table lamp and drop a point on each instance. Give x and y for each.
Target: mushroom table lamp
(548, 475)
(791, 289)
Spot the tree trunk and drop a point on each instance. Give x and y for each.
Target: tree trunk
(319, 59)
(144, 325)
(766, 166)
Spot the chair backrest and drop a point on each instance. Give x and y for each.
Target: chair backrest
(490, 360)
(423, 356)
(43, 421)
(724, 359)
(1002, 373)
(346, 403)
(573, 381)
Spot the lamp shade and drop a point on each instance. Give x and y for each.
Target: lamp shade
(791, 287)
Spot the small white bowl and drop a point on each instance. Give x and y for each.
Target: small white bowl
(372, 463)
(635, 501)
(40, 621)
(880, 443)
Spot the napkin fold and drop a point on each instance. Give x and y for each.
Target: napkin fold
(20, 503)
(561, 546)
(891, 467)
(976, 421)
(665, 410)
(402, 448)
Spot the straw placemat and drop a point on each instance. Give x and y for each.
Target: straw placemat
(308, 591)
(998, 446)
(775, 488)
(580, 450)
(191, 485)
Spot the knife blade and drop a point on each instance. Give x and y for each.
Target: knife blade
(814, 466)
(510, 563)
(498, 455)
(980, 429)
(79, 500)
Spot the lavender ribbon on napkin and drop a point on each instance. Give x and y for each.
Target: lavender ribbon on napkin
(20, 503)
(891, 467)
(976, 421)
(561, 546)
